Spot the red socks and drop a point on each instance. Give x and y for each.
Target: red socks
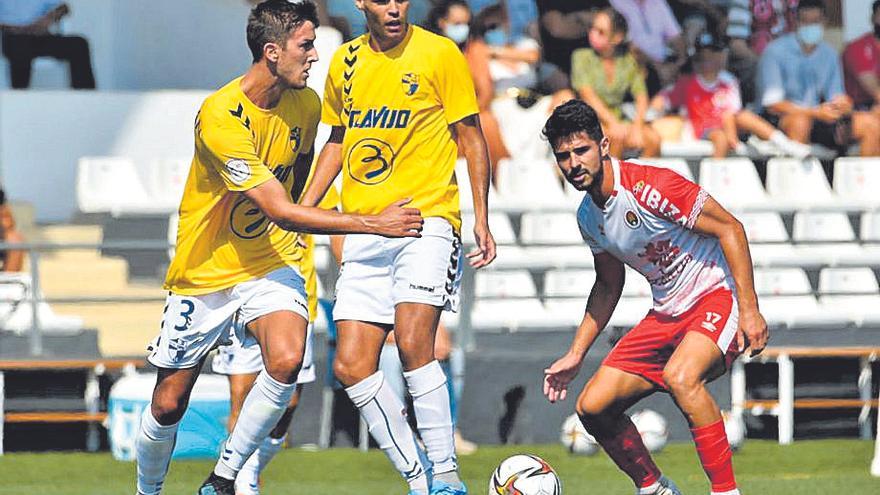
(715, 455)
(627, 450)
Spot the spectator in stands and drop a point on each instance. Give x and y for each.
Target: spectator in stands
(861, 67)
(656, 35)
(604, 75)
(452, 18)
(26, 27)
(751, 26)
(512, 61)
(563, 26)
(801, 84)
(12, 259)
(714, 108)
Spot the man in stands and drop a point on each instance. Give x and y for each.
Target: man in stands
(801, 88)
(696, 257)
(861, 67)
(397, 99)
(237, 243)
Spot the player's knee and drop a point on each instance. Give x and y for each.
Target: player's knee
(284, 367)
(680, 380)
(590, 411)
(168, 408)
(348, 372)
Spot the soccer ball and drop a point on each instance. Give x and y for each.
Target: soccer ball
(735, 429)
(652, 427)
(575, 437)
(524, 474)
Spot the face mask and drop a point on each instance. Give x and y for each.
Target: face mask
(810, 34)
(457, 32)
(496, 37)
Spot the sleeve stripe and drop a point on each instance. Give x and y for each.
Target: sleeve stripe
(699, 202)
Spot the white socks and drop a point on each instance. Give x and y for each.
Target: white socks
(427, 385)
(735, 491)
(153, 449)
(385, 416)
(247, 481)
(260, 412)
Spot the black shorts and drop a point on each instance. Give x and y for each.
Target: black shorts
(836, 135)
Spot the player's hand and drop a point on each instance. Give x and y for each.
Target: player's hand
(484, 252)
(753, 333)
(559, 375)
(397, 221)
(828, 112)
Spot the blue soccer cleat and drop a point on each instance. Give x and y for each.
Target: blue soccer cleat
(216, 485)
(443, 488)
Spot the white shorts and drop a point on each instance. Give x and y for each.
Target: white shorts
(244, 357)
(194, 325)
(378, 273)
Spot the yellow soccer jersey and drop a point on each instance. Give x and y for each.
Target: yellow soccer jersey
(223, 239)
(396, 107)
(307, 262)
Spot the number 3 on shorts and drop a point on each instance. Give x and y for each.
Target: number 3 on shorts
(188, 307)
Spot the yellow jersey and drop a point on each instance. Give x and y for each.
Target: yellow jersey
(397, 107)
(223, 239)
(307, 262)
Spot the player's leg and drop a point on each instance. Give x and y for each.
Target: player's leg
(697, 361)
(720, 145)
(755, 124)
(601, 407)
(239, 386)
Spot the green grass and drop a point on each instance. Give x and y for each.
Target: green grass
(763, 467)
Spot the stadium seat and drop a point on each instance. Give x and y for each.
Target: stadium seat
(499, 223)
(550, 228)
(733, 182)
(782, 281)
(529, 184)
(542, 258)
(166, 180)
(822, 227)
(764, 227)
(16, 311)
(679, 165)
(521, 127)
(111, 184)
(858, 179)
(568, 311)
(848, 281)
(569, 283)
(791, 310)
(869, 230)
(173, 223)
(686, 148)
(794, 181)
(465, 194)
(504, 284)
(327, 40)
(494, 314)
(850, 294)
(636, 285)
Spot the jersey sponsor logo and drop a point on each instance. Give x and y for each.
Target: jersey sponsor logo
(637, 188)
(370, 161)
(246, 220)
(295, 138)
(661, 254)
(632, 219)
(379, 118)
(655, 200)
(410, 82)
(239, 171)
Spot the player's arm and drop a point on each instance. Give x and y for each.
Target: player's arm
(714, 220)
(610, 276)
(473, 145)
(328, 167)
(272, 199)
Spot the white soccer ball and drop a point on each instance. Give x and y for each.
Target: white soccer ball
(652, 428)
(524, 474)
(735, 429)
(575, 437)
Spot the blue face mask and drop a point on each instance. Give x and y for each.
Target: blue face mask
(810, 34)
(496, 37)
(457, 32)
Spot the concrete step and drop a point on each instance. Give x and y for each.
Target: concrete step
(124, 329)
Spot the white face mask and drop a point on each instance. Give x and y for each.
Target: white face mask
(457, 32)
(810, 34)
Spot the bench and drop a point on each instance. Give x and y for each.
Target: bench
(783, 408)
(91, 400)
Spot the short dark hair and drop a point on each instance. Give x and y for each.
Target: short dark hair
(273, 20)
(875, 7)
(441, 9)
(811, 4)
(570, 118)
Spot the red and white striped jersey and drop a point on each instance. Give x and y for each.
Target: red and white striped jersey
(647, 224)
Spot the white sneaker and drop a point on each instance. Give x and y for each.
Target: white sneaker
(795, 149)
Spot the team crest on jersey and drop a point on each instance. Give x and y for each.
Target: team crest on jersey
(295, 138)
(410, 82)
(637, 188)
(632, 219)
(370, 161)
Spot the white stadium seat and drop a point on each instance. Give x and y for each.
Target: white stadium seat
(869, 230)
(504, 284)
(550, 228)
(509, 314)
(569, 283)
(733, 182)
(764, 227)
(788, 310)
(782, 281)
(111, 184)
(848, 281)
(465, 194)
(529, 184)
(166, 180)
(636, 285)
(679, 165)
(798, 181)
(822, 227)
(327, 40)
(16, 311)
(499, 224)
(567, 311)
(858, 178)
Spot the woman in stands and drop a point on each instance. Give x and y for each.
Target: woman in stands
(12, 259)
(604, 75)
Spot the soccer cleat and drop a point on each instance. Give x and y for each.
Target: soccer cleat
(216, 485)
(666, 487)
(443, 488)
(415, 492)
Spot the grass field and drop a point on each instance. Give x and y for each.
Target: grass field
(824, 467)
